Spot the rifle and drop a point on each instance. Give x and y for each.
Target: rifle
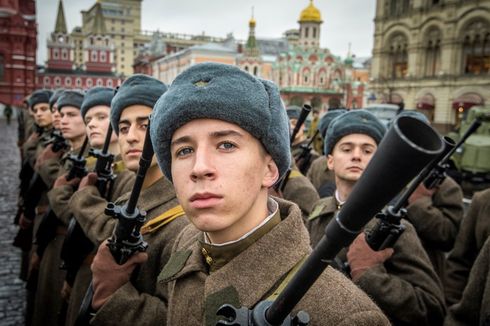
(77, 246)
(304, 159)
(409, 145)
(126, 239)
(281, 184)
(78, 169)
(58, 141)
(389, 228)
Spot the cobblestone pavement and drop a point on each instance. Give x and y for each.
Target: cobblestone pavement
(12, 293)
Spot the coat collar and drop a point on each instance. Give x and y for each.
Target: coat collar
(324, 206)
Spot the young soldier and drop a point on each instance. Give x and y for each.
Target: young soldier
(319, 174)
(474, 307)
(221, 135)
(401, 280)
(95, 111)
(134, 301)
(48, 300)
(474, 231)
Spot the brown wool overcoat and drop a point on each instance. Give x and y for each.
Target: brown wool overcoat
(300, 191)
(251, 276)
(136, 302)
(474, 307)
(407, 279)
(437, 220)
(122, 184)
(319, 174)
(473, 232)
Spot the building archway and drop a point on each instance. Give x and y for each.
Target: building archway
(426, 104)
(463, 103)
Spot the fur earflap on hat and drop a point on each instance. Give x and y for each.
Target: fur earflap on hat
(136, 90)
(70, 98)
(54, 98)
(96, 96)
(222, 92)
(39, 96)
(353, 122)
(327, 118)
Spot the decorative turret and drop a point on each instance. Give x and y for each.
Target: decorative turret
(309, 21)
(98, 25)
(60, 26)
(60, 44)
(251, 49)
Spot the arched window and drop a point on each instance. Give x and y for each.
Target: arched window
(246, 68)
(56, 54)
(314, 32)
(89, 82)
(68, 81)
(78, 82)
(109, 83)
(433, 52)
(100, 82)
(256, 70)
(398, 56)
(47, 81)
(476, 48)
(94, 56)
(306, 32)
(57, 81)
(103, 57)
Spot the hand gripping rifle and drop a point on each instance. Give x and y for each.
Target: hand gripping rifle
(389, 228)
(77, 246)
(126, 239)
(281, 184)
(78, 169)
(408, 146)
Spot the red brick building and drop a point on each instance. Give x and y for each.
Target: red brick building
(18, 32)
(98, 68)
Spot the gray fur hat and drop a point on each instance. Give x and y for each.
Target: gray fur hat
(70, 98)
(414, 114)
(327, 118)
(353, 122)
(137, 89)
(54, 98)
(222, 92)
(293, 112)
(96, 96)
(39, 96)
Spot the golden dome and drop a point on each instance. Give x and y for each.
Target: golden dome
(251, 22)
(310, 14)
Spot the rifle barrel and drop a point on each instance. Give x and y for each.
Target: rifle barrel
(302, 117)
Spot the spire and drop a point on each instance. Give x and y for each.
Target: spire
(251, 47)
(98, 25)
(60, 26)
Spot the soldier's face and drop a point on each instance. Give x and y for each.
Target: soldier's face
(97, 123)
(55, 114)
(221, 174)
(71, 125)
(42, 114)
(132, 131)
(350, 156)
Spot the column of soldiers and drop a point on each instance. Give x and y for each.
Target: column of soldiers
(232, 210)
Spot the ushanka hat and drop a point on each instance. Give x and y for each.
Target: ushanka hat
(54, 98)
(96, 96)
(70, 98)
(353, 122)
(327, 118)
(136, 90)
(293, 112)
(39, 96)
(222, 92)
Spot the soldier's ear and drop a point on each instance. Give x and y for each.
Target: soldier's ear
(271, 174)
(330, 162)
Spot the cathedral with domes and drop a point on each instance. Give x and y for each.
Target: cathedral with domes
(305, 72)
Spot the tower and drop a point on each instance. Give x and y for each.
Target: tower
(251, 49)
(60, 45)
(309, 21)
(98, 47)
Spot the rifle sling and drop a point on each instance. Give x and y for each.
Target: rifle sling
(162, 220)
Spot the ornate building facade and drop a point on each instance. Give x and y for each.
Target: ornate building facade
(18, 41)
(62, 68)
(432, 55)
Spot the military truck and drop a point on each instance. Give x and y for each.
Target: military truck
(471, 162)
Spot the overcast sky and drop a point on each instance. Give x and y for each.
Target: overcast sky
(343, 21)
